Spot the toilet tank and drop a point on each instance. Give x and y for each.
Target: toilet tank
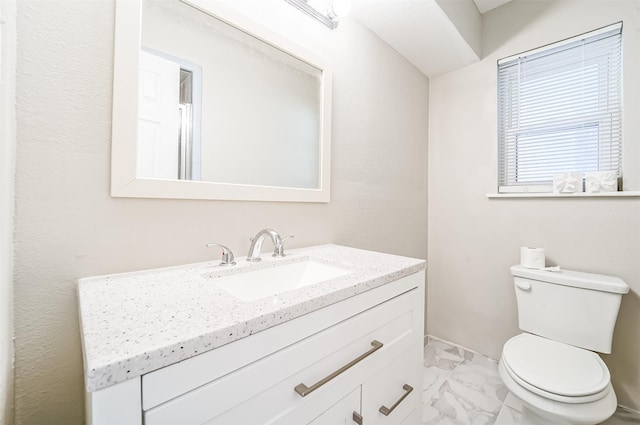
(567, 306)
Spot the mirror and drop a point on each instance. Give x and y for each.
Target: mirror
(210, 105)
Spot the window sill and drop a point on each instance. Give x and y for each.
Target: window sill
(623, 194)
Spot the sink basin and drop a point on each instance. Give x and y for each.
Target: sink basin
(251, 286)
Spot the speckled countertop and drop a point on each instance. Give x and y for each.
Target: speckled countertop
(134, 323)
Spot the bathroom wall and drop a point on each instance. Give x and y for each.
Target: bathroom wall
(468, 21)
(473, 240)
(67, 225)
(7, 159)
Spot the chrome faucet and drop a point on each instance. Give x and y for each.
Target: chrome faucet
(227, 255)
(256, 244)
(278, 250)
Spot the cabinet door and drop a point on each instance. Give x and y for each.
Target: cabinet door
(394, 392)
(414, 418)
(342, 412)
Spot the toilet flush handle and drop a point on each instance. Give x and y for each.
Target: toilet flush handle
(525, 286)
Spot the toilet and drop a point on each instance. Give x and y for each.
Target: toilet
(553, 368)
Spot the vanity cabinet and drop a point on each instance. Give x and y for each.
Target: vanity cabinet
(342, 364)
(342, 412)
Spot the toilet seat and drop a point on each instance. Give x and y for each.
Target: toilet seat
(555, 370)
(554, 412)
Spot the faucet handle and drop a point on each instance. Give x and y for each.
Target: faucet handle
(278, 250)
(228, 259)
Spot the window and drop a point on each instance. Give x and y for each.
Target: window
(560, 110)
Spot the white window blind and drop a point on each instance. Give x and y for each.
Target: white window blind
(560, 110)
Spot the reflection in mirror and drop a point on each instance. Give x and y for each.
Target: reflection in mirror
(169, 117)
(216, 104)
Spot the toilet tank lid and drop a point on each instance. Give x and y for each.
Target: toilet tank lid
(597, 282)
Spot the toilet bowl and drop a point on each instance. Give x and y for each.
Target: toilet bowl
(558, 384)
(553, 367)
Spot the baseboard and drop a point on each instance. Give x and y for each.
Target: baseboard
(426, 337)
(632, 411)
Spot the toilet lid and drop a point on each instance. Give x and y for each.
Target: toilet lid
(555, 367)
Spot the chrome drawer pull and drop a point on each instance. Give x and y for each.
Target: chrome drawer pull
(303, 390)
(386, 411)
(357, 418)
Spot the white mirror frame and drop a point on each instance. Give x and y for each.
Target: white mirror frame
(124, 179)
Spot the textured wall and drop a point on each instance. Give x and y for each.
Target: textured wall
(7, 158)
(67, 225)
(474, 240)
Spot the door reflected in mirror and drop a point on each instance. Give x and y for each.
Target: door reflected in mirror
(169, 119)
(216, 104)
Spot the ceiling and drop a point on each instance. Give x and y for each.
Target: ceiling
(486, 5)
(437, 36)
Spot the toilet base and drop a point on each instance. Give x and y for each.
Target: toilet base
(530, 417)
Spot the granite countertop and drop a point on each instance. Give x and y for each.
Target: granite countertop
(134, 323)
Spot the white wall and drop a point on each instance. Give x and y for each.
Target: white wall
(67, 225)
(7, 168)
(474, 240)
(467, 19)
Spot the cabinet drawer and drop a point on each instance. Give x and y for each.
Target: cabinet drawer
(397, 390)
(263, 392)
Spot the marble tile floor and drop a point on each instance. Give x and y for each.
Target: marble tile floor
(463, 388)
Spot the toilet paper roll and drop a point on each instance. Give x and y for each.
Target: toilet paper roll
(532, 258)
